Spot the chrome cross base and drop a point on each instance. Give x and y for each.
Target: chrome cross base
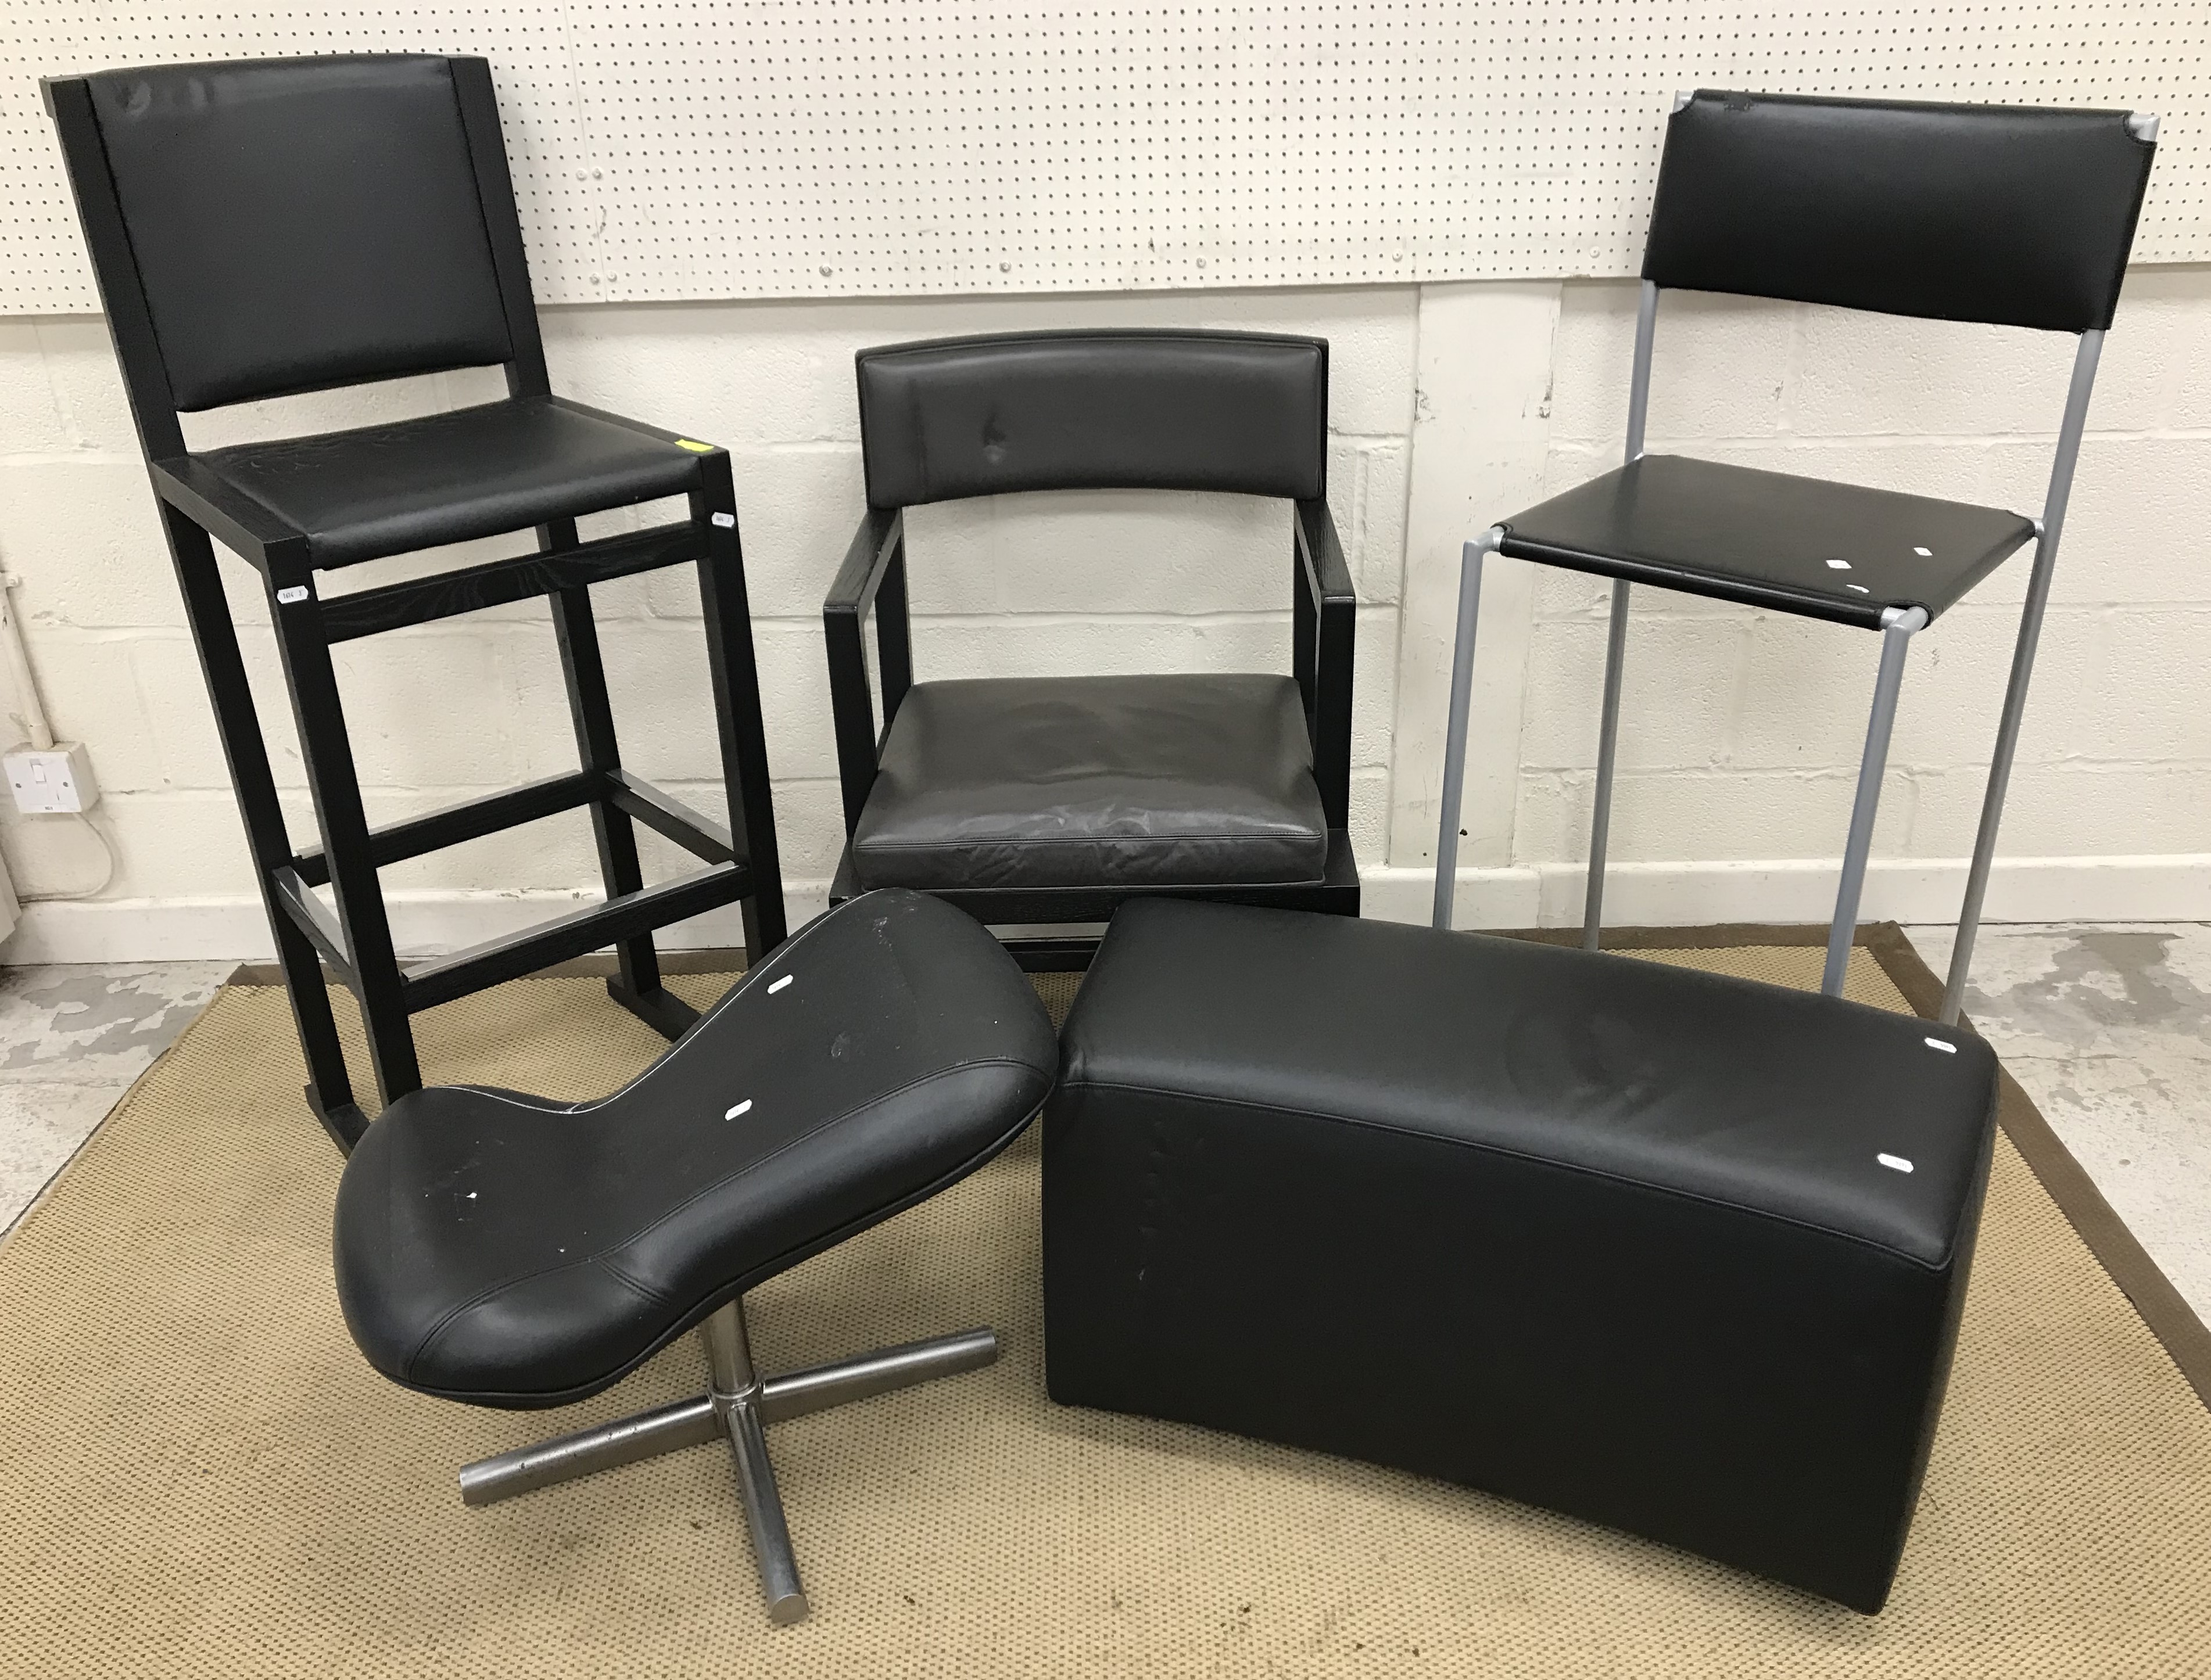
(733, 1409)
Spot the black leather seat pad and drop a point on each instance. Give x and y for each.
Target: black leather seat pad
(510, 1251)
(1727, 1091)
(445, 477)
(1765, 539)
(1026, 782)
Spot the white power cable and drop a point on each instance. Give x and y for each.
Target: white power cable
(32, 718)
(106, 881)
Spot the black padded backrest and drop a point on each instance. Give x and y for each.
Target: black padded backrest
(1128, 410)
(301, 222)
(2003, 213)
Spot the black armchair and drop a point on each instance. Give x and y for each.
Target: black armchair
(1051, 800)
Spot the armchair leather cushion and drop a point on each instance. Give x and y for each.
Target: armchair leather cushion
(414, 484)
(1143, 781)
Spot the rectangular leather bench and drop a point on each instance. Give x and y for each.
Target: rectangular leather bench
(1674, 1252)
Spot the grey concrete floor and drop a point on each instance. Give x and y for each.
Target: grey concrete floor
(72, 1038)
(2109, 1029)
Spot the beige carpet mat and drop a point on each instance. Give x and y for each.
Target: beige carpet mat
(202, 1478)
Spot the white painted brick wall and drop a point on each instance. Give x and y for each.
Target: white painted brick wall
(1452, 405)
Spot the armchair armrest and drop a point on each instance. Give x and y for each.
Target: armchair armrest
(1325, 619)
(1327, 578)
(880, 537)
(872, 575)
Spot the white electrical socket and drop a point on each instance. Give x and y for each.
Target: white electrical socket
(55, 781)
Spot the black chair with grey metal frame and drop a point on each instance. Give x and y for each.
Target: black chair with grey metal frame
(1042, 800)
(2007, 216)
(265, 228)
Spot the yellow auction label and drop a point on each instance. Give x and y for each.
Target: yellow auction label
(695, 445)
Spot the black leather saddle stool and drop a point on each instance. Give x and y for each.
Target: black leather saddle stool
(508, 1251)
(1667, 1250)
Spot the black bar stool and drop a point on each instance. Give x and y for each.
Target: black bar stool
(265, 228)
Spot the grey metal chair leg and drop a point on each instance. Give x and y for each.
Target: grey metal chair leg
(666, 1429)
(735, 1388)
(1461, 692)
(865, 1375)
(1616, 642)
(737, 1404)
(2047, 531)
(1607, 752)
(1897, 628)
(772, 1554)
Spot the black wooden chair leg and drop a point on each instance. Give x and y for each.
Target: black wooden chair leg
(637, 986)
(335, 782)
(237, 724)
(741, 732)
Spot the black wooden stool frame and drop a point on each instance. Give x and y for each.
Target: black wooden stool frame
(740, 863)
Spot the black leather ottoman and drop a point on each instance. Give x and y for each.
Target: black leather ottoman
(1676, 1252)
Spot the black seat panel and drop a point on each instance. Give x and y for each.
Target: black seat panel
(506, 1250)
(391, 489)
(1051, 782)
(1769, 539)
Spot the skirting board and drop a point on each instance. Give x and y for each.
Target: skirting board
(2171, 888)
(2174, 887)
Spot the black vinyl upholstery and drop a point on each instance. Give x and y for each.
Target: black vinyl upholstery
(1047, 801)
(1188, 410)
(414, 484)
(1769, 539)
(299, 223)
(2008, 214)
(510, 1251)
(1596, 1234)
(1143, 781)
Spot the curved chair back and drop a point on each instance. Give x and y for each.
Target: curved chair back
(1098, 410)
(2006, 214)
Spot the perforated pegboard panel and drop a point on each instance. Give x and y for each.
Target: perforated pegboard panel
(710, 149)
